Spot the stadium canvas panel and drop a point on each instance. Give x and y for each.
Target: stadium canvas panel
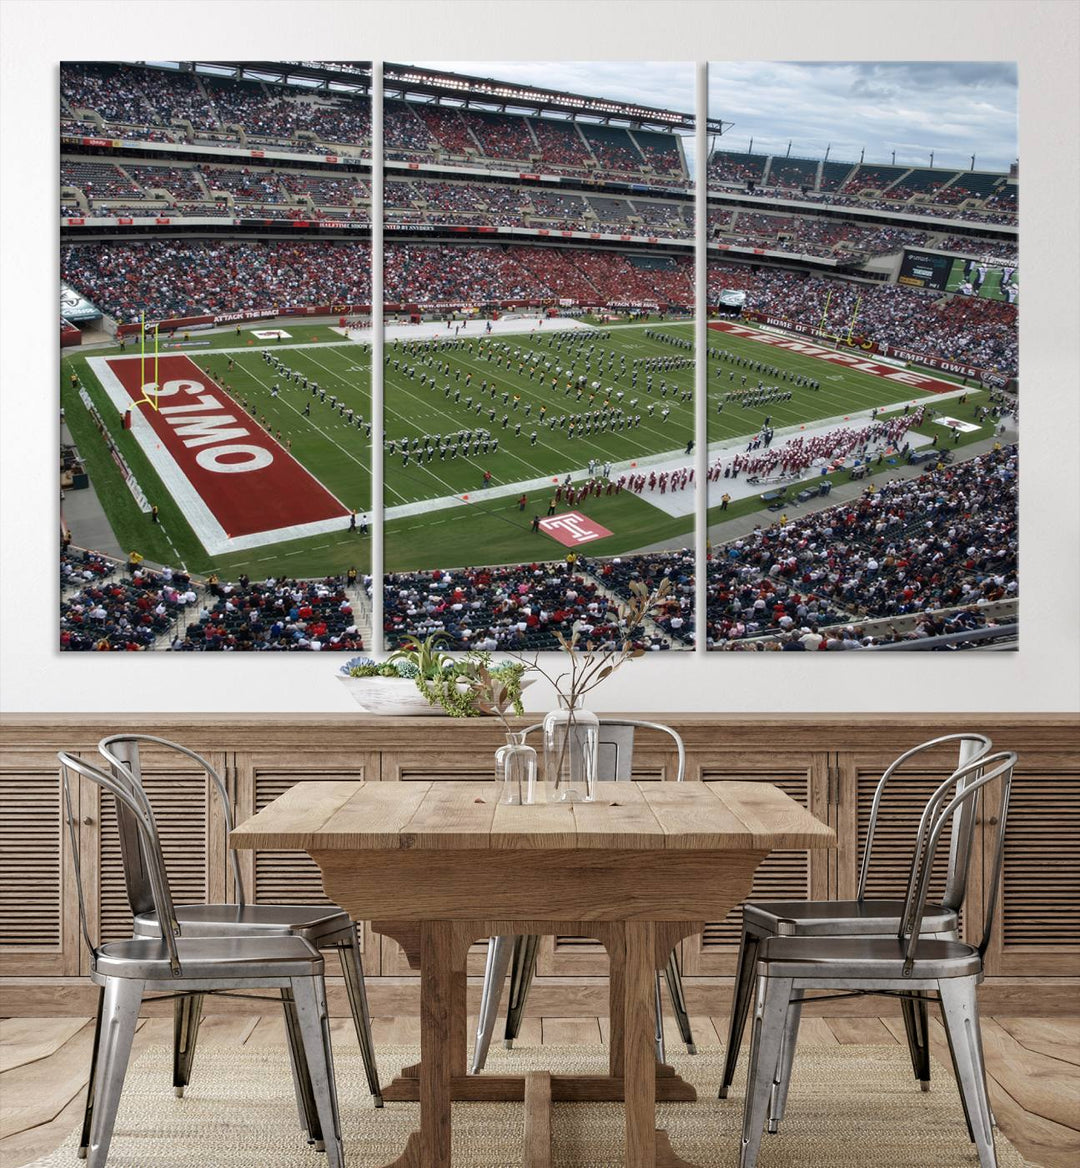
(540, 424)
(216, 459)
(861, 392)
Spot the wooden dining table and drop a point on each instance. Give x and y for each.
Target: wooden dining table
(440, 865)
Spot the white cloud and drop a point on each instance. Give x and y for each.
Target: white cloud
(953, 108)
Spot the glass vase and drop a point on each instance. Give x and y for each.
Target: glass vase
(571, 739)
(515, 770)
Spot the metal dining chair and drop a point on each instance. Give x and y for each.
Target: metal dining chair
(863, 916)
(323, 926)
(170, 964)
(517, 954)
(909, 963)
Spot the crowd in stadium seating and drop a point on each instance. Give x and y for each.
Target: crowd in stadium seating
(1006, 250)
(268, 192)
(108, 614)
(942, 540)
(79, 567)
(404, 134)
(676, 615)
(138, 102)
(988, 197)
(273, 616)
(277, 113)
(98, 180)
(979, 331)
(518, 608)
(180, 277)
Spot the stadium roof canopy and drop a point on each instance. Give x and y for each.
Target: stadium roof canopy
(458, 89)
(510, 96)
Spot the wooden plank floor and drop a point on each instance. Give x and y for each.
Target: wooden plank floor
(1034, 1067)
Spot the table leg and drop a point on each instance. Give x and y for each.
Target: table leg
(646, 948)
(442, 1042)
(639, 1052)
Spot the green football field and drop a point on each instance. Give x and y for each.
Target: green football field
(991, 288)
(425, 528)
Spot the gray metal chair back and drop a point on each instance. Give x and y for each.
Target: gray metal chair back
(122, 753)
(959, 797)
(972, 748)
(908, 966)
(126, 970)
(132, 801)
(615, 757)
(615, 747)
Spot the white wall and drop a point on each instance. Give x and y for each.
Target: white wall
(1044, 675)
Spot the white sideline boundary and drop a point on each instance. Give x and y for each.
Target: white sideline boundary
(200, 518)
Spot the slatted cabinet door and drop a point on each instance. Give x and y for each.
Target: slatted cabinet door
(192, 833)
(39, 927)
(858, 774)
(795, 875)
(291, 877)
(1037, 926)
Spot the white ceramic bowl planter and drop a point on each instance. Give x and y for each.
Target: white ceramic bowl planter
(395, 696)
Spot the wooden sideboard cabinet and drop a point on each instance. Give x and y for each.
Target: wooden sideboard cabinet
(829, 763)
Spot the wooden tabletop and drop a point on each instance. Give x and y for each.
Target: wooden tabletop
(361, 816)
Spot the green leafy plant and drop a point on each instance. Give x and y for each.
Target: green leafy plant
(465, 686)
(429, 661)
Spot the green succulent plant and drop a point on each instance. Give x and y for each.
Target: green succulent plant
(465, 685)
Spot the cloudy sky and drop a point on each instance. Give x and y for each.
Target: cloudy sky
(953, 108)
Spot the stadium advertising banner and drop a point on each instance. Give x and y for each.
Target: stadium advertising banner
(795, 326)
(74, 306)
(922, 269)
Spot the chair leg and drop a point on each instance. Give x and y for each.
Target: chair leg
(119, 1017)
(309, 994)
(500, 950)
(956, 1074)
(740, 1007)
(779, 1093)
(658, 1010)
(88, 1109)
(522, 968)
(770, 1018)
(187, 1014)
(673, 975)
(353, 969)
(960, 1009)
(916, 1027)
(305, 1099)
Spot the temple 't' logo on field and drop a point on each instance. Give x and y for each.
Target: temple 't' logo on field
(573, 528)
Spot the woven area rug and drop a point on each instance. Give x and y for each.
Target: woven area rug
(849, 1107)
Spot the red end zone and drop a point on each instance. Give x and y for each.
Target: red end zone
(864, 364)
(237, 486)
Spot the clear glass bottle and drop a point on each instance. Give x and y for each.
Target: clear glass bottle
(515, 770)
(571, 739)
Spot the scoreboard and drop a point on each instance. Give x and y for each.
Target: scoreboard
(921, 269)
